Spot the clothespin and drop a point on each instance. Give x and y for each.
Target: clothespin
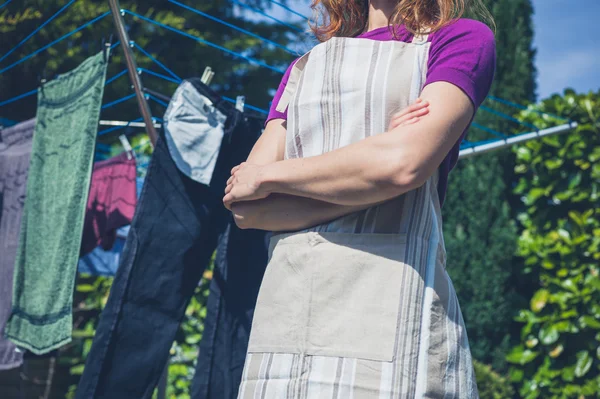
(207, 76)
(106, 45)
(240, 102)
(207, 72)
(42, 80)
(126, 145)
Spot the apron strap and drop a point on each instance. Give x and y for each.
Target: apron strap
(292, 84)
(420, 39)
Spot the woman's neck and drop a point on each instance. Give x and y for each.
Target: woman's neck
(380, 12)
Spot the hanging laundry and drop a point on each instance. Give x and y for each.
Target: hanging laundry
(238, 272)
(102, 262)
(194, 132)
(15, 151)
(111, 202)
(177, 226)
(57, 189)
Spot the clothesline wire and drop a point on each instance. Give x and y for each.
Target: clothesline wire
(231, 100)
(5, 4)
(36, 30)
(289, 9)
(246, 32)
(523, 107)
(18, 97)
(157, 62)
(34, 91)
(203, 41)
(118, 101)
(489, 130)
(264, 14)
(93, 21)
(507, 117)
(117, 76)
(156, 100)
(159, 75)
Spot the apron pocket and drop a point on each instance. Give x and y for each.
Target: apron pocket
(336, 296)
(355, 297)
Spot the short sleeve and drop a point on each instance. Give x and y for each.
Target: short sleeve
(464, 54)
(273, 113)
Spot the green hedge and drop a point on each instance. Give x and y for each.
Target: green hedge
(492, 385)
(559, 353)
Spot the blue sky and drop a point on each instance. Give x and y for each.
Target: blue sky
(567, 39)
(568, 44)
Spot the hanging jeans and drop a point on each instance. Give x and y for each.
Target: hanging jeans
(175, 230)
(239, 267)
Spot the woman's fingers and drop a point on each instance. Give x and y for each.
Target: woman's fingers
(408, 115)
(408, 119)
(235, 168)
(417, 105)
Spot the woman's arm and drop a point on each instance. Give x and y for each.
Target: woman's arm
(372, 170)
(280, 212)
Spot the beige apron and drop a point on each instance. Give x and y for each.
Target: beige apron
(360, 307)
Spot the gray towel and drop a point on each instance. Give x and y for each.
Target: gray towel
(15, 150)
(57, 191)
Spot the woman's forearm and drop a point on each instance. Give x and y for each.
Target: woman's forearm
(280, 212)
(374, 169)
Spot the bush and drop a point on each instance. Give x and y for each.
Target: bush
(559, 354)
(491, 385)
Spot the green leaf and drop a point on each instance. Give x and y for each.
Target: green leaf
(85, 288)
(548, 335)
(193, 339)
(584, 362)
(76, 370)
(552, 164)
(570, 285)
(539, 300)
(568, 373)
(520, 355)
(535, 194)
(589, 321)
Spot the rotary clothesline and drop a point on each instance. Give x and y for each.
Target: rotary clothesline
(174, 78)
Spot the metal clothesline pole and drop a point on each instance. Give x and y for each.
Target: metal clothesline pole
(510, 141)
(144, 110)
(132, 69)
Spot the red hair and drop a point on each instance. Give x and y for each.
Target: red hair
(349, 18)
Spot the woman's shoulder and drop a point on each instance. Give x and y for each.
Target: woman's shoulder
(464, 28)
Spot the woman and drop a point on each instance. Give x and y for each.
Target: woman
(356, 302)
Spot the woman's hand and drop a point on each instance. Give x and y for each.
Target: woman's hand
(410, 114)
(244, 184)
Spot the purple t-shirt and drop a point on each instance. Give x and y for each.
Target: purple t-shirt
(462, 53)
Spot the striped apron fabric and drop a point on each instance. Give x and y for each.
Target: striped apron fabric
(361, 307)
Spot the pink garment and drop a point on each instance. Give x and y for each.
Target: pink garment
(111, 203)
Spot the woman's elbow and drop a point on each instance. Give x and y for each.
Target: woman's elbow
(243, 222)
(243, 217)
(405, 175)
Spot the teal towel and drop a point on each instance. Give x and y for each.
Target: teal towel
(57, 190)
